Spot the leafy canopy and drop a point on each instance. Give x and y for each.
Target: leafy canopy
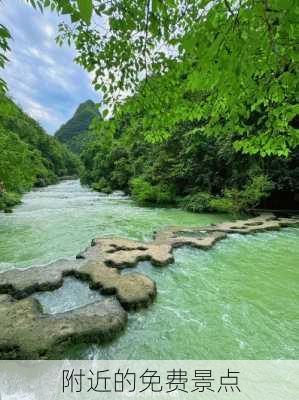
(195, 171)
(239, 60)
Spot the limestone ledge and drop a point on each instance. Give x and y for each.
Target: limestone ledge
(27, 332)
(123, 253)
(133, 290)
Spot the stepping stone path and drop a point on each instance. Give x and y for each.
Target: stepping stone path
(27, 332)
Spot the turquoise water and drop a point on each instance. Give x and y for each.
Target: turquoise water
(66, 298)
(238, 300)
(60, 221)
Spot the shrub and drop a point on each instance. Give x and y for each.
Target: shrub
(250, 196)
(222, 204)
(102, 186)
(144, 192)
(259, 188)
(233, 200)
(9, 199)
(196, 202)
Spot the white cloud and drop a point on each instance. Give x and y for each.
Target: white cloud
(61, 77)
(32, 51)
(42, 77)
(48, 30)
(38, 111)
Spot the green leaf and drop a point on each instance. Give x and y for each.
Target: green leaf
(75, 17)
(105, 113)
(32, 2)
(64, 6)
(85, 8)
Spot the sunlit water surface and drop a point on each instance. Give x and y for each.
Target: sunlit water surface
(238, 300)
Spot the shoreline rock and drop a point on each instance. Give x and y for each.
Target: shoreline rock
(27, 333)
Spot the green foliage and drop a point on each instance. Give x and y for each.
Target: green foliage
(9, 200)
(85, 8)
(102, 186)
(29, 157)
(230, 66)
(4, 48)
(250, 196)
(214, 97)
(197, 202)
(232, 200)
(223, 204)
(75, 132)
(143, 192)
(202, 173)
(15, 162)
(78, 10)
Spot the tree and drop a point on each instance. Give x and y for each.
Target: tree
(4, 48)
(239, 60)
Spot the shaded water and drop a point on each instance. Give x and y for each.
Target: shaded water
(237, 300)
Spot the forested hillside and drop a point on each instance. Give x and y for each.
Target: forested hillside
(191, 169)
(213, 122)
(29, 157)
(75, 132)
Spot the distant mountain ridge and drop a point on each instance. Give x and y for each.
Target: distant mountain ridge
(74, 132)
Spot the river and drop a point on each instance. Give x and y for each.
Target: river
(238, 300)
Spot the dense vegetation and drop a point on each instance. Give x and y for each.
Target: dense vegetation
(75, 132)
(237, 59)
(29, 157)
(212, 122)
(190, 169)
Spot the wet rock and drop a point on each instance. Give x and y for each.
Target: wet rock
(80, 256)
(261, 223)
(27, 333)
(157, 254)
(22, 283)
(133, 290)
(200, 242)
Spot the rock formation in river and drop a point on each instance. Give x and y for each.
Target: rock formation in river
(26, 332)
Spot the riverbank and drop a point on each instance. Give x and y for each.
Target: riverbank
(9, 200)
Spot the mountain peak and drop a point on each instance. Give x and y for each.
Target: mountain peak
(74, 129)
(86, 104)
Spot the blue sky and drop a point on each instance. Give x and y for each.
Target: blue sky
(42, 77)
